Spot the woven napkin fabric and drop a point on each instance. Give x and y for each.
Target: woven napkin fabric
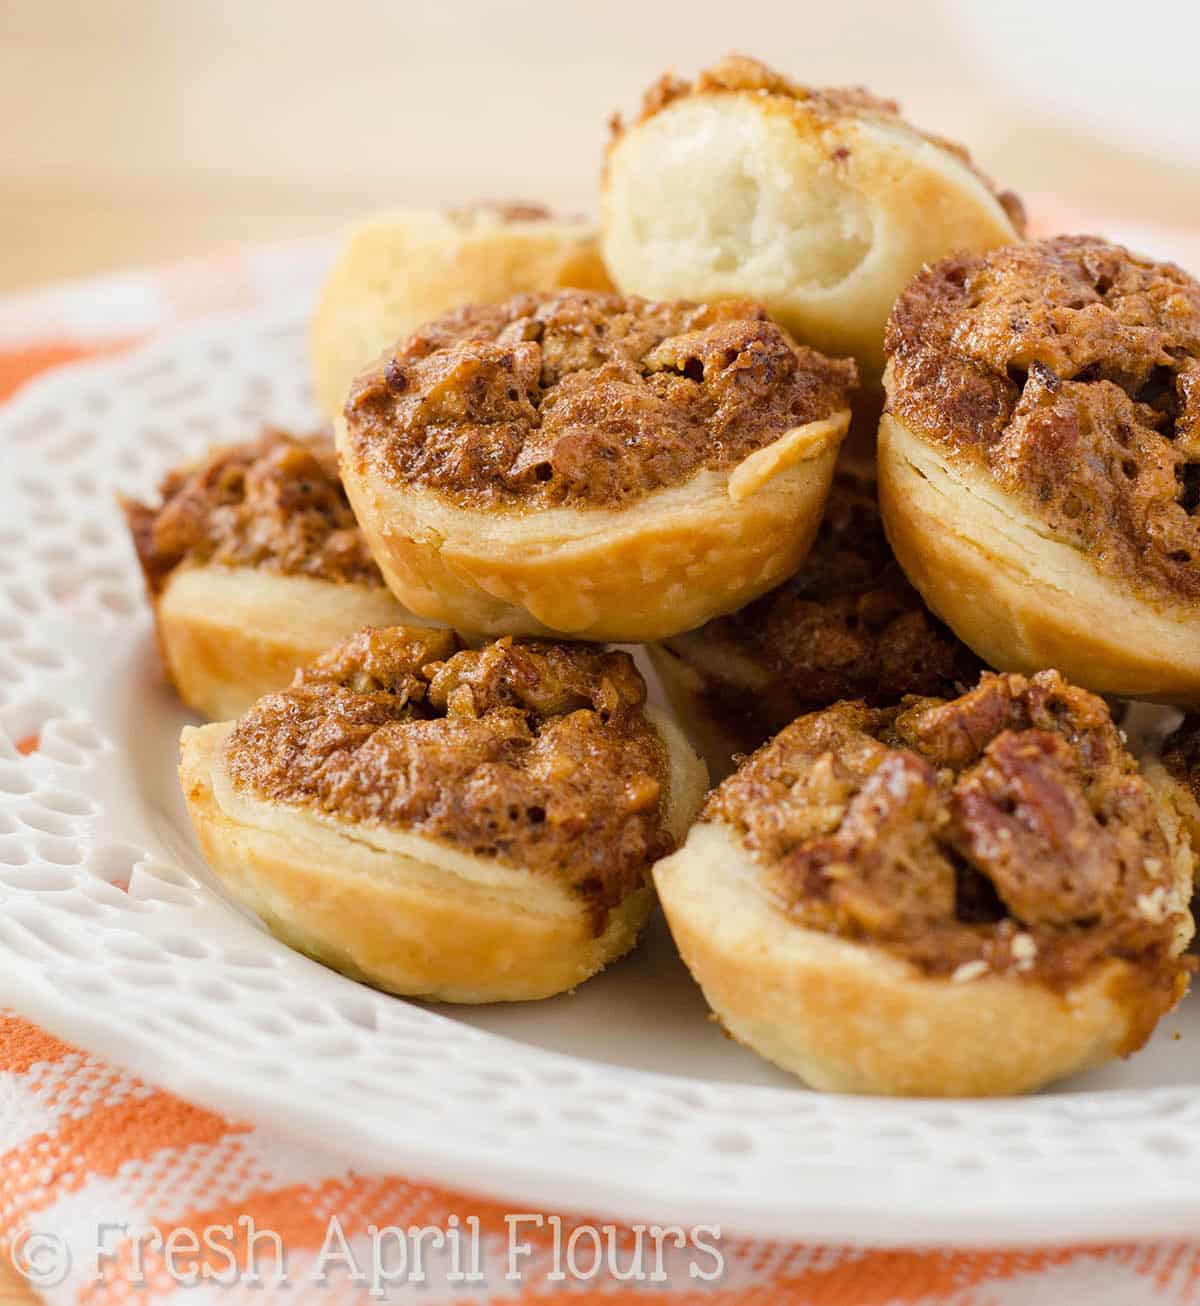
(113, 1192)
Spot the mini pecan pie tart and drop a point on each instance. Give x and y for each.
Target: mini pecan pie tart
(590, 465)
(1039, 461)
(254, 564)
(945, 898)
(846, 625)
(465, 825)
(821, 204)
(396, 270)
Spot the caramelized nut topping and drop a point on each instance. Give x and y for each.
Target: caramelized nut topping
(1069, 369)
(1007, 829)
(276, 503)
(536, 754)
(585, 398)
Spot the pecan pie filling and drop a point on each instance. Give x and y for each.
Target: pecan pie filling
(275, 503)
(536, 754)
(847, 625)
(1007, 832)
(1069, 370)
(1181, 754)
(584, 398)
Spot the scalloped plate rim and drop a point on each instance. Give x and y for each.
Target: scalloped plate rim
(853, 1209)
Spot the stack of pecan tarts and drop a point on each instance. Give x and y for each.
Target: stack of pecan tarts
(934, 863)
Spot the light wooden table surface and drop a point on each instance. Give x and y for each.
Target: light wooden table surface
(146, 130)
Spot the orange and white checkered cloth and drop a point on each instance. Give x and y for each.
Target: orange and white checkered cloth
(98, 1169)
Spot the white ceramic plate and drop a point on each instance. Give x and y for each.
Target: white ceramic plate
(623, 1100)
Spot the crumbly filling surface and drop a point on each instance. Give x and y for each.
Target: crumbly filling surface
(537, 754)
(586, 398)
(1007, 831)
(739, 74)
(275, 503)
(847, 625)
(1069, 369)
